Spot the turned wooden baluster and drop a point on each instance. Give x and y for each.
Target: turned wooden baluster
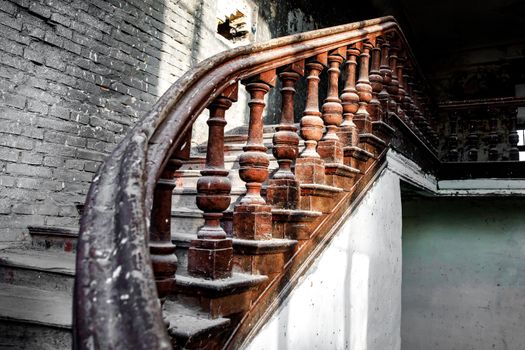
(493, 135)
(309, 167)
(330, 147)
(349, 100)
(453, 152)
(364, 90)
(514, 153)
(400, 97)
(162, 250)
(386, 73)
(472, 141)
(252, 217)
(376, 81)
(283, 188)
(393, 87)
(210, 255)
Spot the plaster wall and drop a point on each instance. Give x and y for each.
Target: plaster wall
(463, 274)
(350, 297)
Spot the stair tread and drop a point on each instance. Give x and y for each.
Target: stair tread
(53, 230)
(224, 286)
(187, 321)
(32, 259)
(25, 304)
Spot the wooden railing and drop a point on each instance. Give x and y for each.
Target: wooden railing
(121, 237)
(480, 130)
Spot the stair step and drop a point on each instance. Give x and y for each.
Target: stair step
(35, 306)
(47, 270)
(56, 238)
(191, 328)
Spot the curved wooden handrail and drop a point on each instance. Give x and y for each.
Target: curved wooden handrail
(115, 301)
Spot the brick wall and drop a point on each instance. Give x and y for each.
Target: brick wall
(75, 75)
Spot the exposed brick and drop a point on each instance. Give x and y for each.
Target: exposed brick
(16, 142)
(8, 154)
(53, 39)
(37, 107)
(10, 21)
(25, 169)
(59, 18)
(13, 100)
(31, 158)
(33, 55)
(53, 161)
(75, 164)
(7, 7)
(39, 9)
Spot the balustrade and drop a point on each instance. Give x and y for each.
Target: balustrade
(352, 124)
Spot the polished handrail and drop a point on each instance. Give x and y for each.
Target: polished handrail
(115, 303)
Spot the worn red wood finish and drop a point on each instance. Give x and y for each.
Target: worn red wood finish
(277, 232)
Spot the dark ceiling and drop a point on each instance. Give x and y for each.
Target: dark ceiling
(468, 49)
(436, 27)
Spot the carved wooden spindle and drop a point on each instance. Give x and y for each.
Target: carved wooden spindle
(493, 135)
(330, 147)
(386, 73)
(376, 81)
(364, 90)
(453, 153)
(309, 167)
(311, 123)
(211, 254)
(252, 217)
(400, 97)
(283, 188)
(514, 153)
(473, 141)
(393, 87)
(350, 100)
(161, 248)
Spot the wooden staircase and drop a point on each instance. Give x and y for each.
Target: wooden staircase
(226, 231)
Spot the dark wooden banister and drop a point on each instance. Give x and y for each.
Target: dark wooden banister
(116, 303)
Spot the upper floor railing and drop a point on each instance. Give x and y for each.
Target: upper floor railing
(125, 227)
(481, 130)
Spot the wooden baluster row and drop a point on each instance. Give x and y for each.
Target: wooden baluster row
(382, 88)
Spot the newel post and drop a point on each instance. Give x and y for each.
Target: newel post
(210, 255)
(283, 188)
(309, 167)
(252, 217)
